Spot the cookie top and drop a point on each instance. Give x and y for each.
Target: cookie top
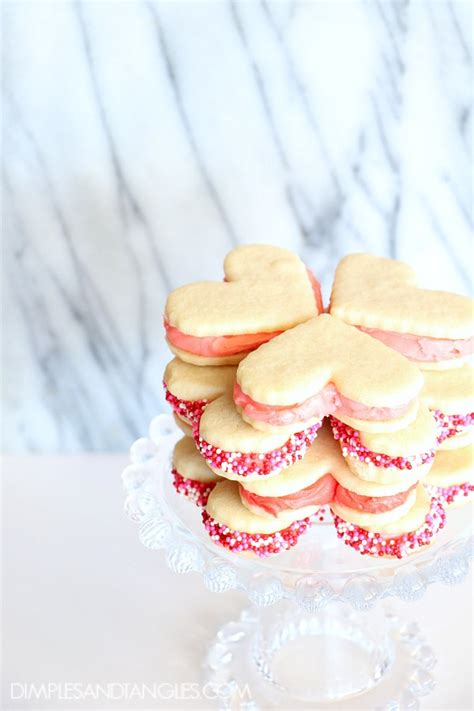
(183, 425)
(374, 487)
(315, 464)
(325, 457)
(299, 363)
(452, 466)
(222, 426)
(380, 293)
(418, 437)
(188, 462)
(412, 520)
(461, 439)
(193, 382)
(266, 289)
(451, 391)
(225, 506)
(376, 522)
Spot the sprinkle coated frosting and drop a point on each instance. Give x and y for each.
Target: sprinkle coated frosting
(196, 491)
(375, 544)
(262, 544)
(190, 410)
(452, 425)
(245, 464)
(353, 447)
(452, 494)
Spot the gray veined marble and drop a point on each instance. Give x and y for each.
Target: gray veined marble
(142, 140)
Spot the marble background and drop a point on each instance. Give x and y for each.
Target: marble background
(142, 140)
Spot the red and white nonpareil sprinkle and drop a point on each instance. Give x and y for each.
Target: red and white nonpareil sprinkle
(452, 425)
(323, 515)
(455, 494)
(250, 463)
(353, 447)
(375, 544)
(190, 410)
(196, 491)
(262, 544)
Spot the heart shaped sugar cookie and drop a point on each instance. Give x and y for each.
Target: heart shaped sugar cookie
(192, 477)
(451, 479)
(390, 457)
(322, 457)
(188, 462)
(231, 525)
(452, 467)
(306, 486)
(450, 394)
(236, 450)
(407, 532)
(266, 291)
(380, 296)
(188, 388)
(326, 367)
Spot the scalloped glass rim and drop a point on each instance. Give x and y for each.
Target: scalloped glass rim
(320, 568)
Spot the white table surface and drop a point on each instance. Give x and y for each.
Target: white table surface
(83, 601)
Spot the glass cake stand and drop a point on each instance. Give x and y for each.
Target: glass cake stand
(318, 630)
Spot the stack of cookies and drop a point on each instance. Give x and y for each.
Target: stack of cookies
(287, 410)
(434, 330)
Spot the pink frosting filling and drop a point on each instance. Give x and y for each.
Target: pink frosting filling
(317, 494)
(216, 346)
(370, 504)
(422, 348)
(220, 346)
(327, 402)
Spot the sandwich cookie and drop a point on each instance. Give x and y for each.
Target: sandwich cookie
(305, 487)
(233, 526)
(389, 457)
(236, 450)
(326, 367)
(381, 297)
(186, 429)
(450, 394)
(395, 532)
(191, 475)
(188, 388)
(369, 502)
(451, 477)
(266, 290)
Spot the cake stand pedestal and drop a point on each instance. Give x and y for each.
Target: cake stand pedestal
(319, 630)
